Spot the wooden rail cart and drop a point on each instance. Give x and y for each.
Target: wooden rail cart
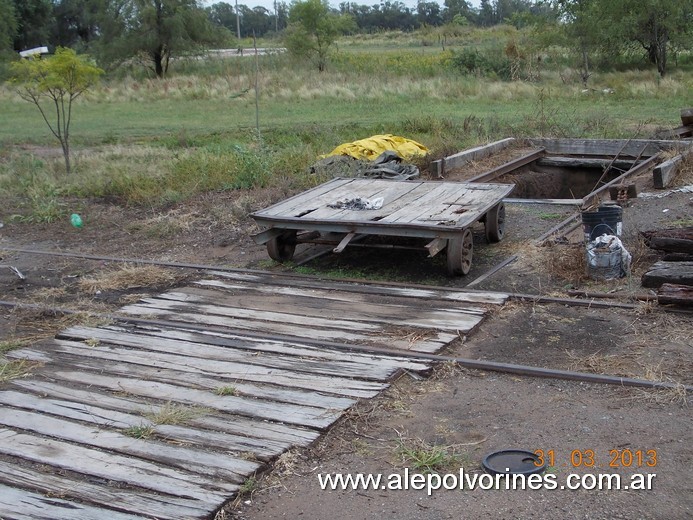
(441, 212)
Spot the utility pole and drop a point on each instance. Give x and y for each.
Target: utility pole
(238, 25)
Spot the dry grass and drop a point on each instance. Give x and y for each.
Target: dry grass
(130, 277)
(173, 413)
(424, 457)
(684, 177)
(16, 369)
(609, 364)
(165, 225)
(566, 262)
(665, 396)
(411, 335)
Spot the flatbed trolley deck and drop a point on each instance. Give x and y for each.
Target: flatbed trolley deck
(441, 212)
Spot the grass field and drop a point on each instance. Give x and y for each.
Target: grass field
(141, 140)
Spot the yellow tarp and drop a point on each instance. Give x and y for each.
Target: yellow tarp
(370, 148)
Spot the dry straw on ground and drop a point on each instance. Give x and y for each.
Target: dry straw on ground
(129, 277)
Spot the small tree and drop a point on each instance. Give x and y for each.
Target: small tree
(313, 29)
(57, 80)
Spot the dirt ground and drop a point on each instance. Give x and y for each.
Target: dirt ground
(459, 415)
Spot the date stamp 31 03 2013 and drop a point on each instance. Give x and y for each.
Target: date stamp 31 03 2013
(588, 458)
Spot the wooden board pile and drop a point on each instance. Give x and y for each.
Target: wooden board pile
(673, 275)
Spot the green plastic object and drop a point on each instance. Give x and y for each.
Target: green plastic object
(76, 220)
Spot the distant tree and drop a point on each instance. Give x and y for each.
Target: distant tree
(394, 15)
(8, 25)
(313, 29)
(77, 22)
(580, 22)
(53, 84)
(458, 8)
(487, 16)
(255, 21)
(429, 13)
(35, 23)
(222, 14)
(281, 15)
(159, 29)
(655, 25)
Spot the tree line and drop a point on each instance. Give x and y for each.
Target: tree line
(156, 30)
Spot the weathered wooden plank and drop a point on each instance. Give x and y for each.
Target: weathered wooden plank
(508, 167)
(19, 503)
(256, 345)
(476, 206)
(583, 162)
(345, 316)
(288, 206)
(284, 412)
(674, 240)
(298, 203)
(680, 273)
(345, 302)
(433, 293)
(473, 154)
(244, 314)
(416, 201)
(295, 331)
(187, 377)
(270, 433)
(606, 147)
(556, 202)
(666, 172)
(393, 193)
(218, 360)
(88, 413)
(130, 500)
(110, 466)
(201, 467)
(672, 294)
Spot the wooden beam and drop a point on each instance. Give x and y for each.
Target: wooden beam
(673, 294)
(508, 167)
(558, 227)
(680, 273)
(582, 162)
(268, 234)
(556, 202)
(665, 173)
(492, 271)
(435, 246)
(473, 154)
(673, 240)
(606, 147)
(591, 198)
(344, 242)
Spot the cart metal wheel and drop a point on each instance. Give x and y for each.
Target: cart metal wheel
(281, 248)
(459, 252)
(495, 223)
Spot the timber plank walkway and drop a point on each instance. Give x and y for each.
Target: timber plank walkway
(166, 415)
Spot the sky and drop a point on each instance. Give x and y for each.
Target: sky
(269, 4)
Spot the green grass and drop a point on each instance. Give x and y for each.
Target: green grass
(11, 344)
(141, 431)
(226, 391)
(15, 369)
(173, 413)
(427, 458)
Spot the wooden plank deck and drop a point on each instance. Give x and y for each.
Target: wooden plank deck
(167, 419)
(410, 208)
